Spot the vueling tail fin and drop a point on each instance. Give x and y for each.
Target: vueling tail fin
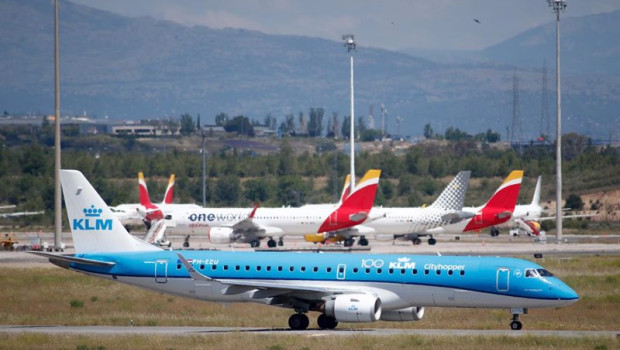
(94, 227)
(507, 194)
(169, 191)
(145, 199)
(453, 196)
(536, 197)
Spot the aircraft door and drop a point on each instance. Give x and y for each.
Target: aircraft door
(161, 271)
(503, 275)
(342, 268)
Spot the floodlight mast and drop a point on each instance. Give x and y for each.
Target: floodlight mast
(558, 6)
(57, 166)
(349, 43)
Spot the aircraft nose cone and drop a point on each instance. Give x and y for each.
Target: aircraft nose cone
(564, 292)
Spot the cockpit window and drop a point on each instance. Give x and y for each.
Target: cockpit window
(531, 273)
(544, 273)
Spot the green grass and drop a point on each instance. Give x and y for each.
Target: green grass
(310, 342)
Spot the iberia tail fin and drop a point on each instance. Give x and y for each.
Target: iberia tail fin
(507, 194)
(169, 191)
(346, 190)
(94, 227)
(145, 199)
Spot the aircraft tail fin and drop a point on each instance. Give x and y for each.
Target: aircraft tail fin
(536, 197)
(94, 227)
(145, 199)
(363, 196)
(169, 191)
(453, 196)
(506, 196)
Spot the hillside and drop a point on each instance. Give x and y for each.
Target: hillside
(131, 68)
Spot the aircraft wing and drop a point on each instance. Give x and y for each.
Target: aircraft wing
(269, 288)
(457, 216)
(567, 217)
(249, 227)
(21, 213)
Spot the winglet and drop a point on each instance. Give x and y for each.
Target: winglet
(251, 216)
(169, 191)
(195, 275)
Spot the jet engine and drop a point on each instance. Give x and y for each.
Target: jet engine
(221, 235)
(354, 308)
(414, 313)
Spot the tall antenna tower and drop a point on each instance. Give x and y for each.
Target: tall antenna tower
(544, 112)
(516, 133)
(383, 120)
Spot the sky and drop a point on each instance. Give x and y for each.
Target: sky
(387, 24)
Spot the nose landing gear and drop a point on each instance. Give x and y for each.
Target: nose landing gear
(516, 325)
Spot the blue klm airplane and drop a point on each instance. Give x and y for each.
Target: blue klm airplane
(341, 287)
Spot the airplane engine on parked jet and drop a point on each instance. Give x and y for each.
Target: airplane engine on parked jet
(414, 313)
(354, 308)
(221, 235)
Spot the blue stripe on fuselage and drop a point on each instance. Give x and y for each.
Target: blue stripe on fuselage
(479, 274)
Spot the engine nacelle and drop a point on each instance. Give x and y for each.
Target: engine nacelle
(221, 235)
(354, 308)
(414, 313)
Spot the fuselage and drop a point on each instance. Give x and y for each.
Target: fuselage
(401, 221)
(400, 281)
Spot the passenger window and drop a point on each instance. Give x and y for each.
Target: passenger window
(402, 271)
(391, 271)
(178, 266)
(257, 268)
(355, 270)
(291, 269)
(426, 272)
(247, 268)
(414, 271)
(450, 272)
(367, 270)
(315, 269)
(303, 269)
(379, 270)
(329, 269)
(225, 267)
(268, 268)
(438, 272)
(236, 268)
(462, 272)
(213, 267)
(279, 268)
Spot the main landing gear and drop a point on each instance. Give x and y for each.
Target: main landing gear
(271, 243)
(516, 325)
(494, 232)
(300, 322)
(255, 243)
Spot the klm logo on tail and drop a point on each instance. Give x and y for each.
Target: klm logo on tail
(92, 222)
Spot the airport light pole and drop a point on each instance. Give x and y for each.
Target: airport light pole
(558, 6)
(57, 189)
(349, 43)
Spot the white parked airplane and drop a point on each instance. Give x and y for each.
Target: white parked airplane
(245, 225)
(498, 210)
(341, 287)
(408, 223)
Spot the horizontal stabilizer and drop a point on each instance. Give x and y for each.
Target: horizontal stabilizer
(73, 259)
(457, 216)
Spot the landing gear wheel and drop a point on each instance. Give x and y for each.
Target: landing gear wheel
(516, 325)
(326, 322)
(280, 242)
(494, 232)
(349, 242)
(298, 322)
(416, 241)
(432, 241)
(254, 244)
(363, 242)
(185, 244)
(271, 243)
